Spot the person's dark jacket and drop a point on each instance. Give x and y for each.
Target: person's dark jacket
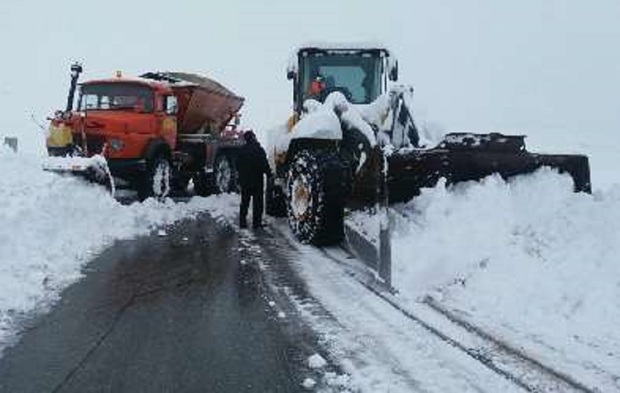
(252, 164)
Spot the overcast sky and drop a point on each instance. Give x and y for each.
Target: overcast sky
(529, 66)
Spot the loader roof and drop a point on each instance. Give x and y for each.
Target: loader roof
(342, 47)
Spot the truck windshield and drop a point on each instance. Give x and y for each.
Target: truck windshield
(116, 96)
(357, 76)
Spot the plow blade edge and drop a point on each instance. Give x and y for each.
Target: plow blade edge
(410, 172)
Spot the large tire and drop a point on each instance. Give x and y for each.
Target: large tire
(315, 197)
(156, 180)
(222, 180)
(203, 183)
(179, 184)
(225, 175)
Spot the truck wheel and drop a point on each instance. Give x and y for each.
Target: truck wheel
(178, 184)
(203, 183)
(225, 175)
(156, 180)
(222, 180)
(315, 200)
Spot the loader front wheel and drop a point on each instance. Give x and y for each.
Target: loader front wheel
(315, 197)
(156, 180)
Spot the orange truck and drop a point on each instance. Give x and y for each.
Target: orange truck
(152, 133)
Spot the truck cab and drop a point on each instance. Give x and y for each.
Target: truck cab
(127, 115)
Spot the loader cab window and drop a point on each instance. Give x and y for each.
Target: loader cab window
(116, 97)
(356, 75)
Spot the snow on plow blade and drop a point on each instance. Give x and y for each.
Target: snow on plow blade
(466, 157)
(94, 169)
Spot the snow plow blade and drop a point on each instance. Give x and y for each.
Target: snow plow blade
(94, 169)
(467, 157)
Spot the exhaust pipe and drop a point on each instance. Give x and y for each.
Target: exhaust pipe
(76, 70)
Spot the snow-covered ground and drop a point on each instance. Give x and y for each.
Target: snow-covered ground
(50, 226)
(529, 261)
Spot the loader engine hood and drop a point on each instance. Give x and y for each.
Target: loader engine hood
(387, 121)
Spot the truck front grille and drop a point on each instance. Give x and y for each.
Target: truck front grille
(94, 143)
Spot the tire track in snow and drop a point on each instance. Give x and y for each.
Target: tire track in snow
(496, 355)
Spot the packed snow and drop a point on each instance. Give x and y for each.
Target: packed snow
(529, 260)
(316, 361)
(320, 123)
(374, 121)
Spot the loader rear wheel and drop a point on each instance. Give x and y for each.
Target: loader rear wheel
(156, 180)
(315, 200)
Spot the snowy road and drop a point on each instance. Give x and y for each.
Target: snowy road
(178, 312)
(385, 346)
(503, 270)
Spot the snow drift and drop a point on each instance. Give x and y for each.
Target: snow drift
(50, 226)
(529, 260)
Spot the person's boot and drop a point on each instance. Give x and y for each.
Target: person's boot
(243, 223)
(257, 224)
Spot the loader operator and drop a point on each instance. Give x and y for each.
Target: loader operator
(252, 165)
(317, 88)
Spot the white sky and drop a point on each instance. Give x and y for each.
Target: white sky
(529, 67)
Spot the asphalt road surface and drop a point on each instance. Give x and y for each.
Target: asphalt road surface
(174, 313)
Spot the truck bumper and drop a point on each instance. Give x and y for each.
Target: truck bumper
(128, 169)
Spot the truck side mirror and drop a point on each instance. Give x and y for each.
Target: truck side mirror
(290, 74)
(171, 105)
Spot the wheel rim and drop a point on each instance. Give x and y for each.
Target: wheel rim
(301, 198)
(223, 175)
(161, 179)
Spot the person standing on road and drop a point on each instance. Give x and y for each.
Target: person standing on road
(252, 165)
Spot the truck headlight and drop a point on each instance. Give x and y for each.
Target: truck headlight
(117, 144)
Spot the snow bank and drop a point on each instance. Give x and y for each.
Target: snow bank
(316, 361)
(51, 225)
(529, 259)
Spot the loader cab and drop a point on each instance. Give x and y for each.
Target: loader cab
(360, 74)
